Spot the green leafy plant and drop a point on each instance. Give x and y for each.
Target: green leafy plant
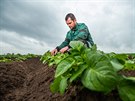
(15, 57)
(96, 70)
(126, 88)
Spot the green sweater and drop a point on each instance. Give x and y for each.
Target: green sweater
(79, 33)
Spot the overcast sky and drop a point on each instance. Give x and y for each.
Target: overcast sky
(35, 26)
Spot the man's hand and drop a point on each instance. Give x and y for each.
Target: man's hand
(64, 49)
(53, 52)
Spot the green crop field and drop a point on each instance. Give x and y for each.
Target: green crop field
(94, 69)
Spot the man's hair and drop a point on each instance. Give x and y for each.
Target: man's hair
(70, 15)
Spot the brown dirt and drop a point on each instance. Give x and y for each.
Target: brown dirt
(127, 73)
(29, 81)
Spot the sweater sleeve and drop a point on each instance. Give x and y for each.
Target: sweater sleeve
(64, 43)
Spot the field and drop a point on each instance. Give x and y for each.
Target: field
(30, 80)
(27, 78)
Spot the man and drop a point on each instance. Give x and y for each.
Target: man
(78, 32)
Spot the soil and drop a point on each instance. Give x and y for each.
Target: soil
(29, 81)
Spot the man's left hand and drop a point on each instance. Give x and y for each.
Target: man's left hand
(64, 49)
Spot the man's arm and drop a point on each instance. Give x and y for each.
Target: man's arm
(63, 44)
(62, 48)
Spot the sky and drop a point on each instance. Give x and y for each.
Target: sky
(36, 26)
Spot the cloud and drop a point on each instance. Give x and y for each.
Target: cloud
(16, 43)
(111, 23)
(31, 19)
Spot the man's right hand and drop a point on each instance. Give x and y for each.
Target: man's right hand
(53, 52)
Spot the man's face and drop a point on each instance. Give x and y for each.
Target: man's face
(71, 23)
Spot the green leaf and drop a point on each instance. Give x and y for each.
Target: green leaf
(100, 77)
(76, 45)
(57, 61)
(129, 78)
(99, 67)
(117, 66)
(121, 56)
(63, 66)
(63, 84)
(50, 64)
(94, 47)
(55, 85)
(92, 57)
(126, 90)
(78, 72)
(129, 64)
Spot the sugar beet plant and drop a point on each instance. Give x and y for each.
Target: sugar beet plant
(96, 70)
